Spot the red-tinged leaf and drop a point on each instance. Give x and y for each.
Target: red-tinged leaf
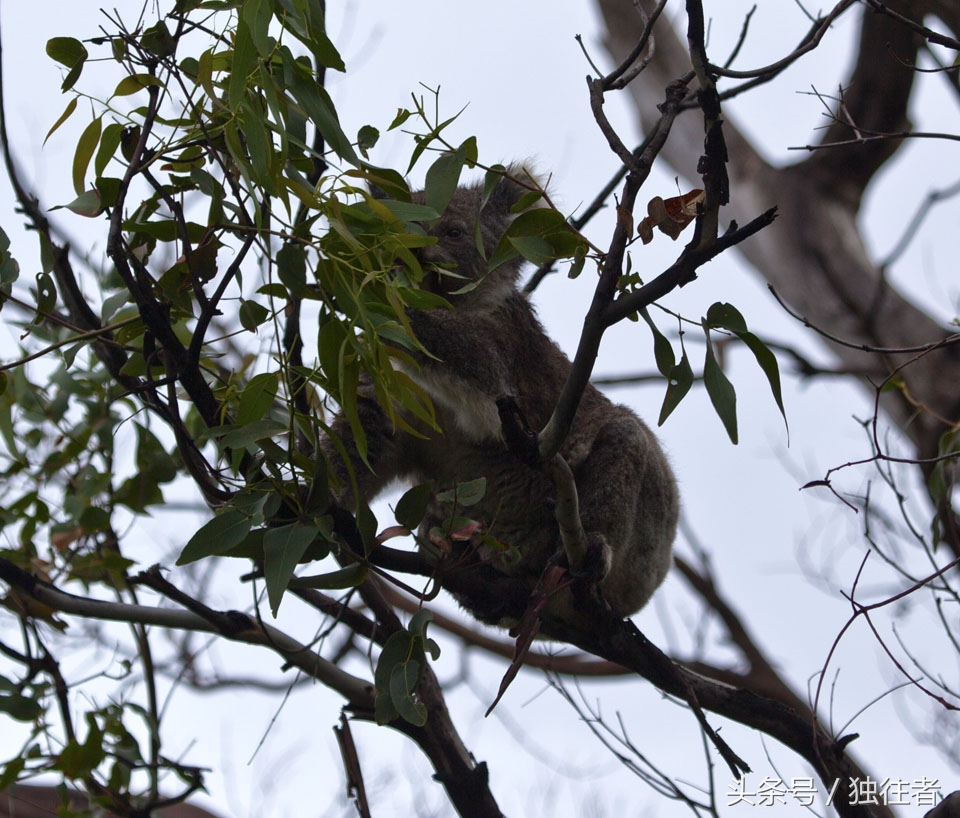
(670, 216)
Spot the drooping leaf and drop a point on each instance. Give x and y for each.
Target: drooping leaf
(71, 53)
(662, 348)
(109, 142)
(725, 316)
(367, 137)
(225, 531)
(283, 549)
(84, 153)
(721, 391)
(442, 179)
(67, 112)
(412, 506)
(679, 381)
(768, 363)
(292, 267)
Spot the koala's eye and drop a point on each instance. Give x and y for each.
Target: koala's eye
(453, 231)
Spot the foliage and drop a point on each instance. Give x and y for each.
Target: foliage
(238, 216)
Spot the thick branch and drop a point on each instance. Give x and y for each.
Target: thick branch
(814, 255)
(233, 625)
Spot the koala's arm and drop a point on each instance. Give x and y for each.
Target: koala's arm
(383, 451)
(468, 369)
(467, 346)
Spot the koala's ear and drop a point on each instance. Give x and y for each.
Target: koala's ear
(502, 187)
(385, 184)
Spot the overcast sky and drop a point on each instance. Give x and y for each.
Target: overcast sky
(520, 73)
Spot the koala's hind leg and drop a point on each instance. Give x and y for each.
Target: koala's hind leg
(628, 499)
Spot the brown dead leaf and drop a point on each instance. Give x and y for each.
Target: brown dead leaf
(670, 216)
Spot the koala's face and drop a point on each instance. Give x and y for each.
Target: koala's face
(456, 262)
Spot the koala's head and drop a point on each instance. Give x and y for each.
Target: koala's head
(456, 261)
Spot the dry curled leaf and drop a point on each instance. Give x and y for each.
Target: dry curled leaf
(671, 215)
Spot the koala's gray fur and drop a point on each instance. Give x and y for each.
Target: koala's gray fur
(492, 346)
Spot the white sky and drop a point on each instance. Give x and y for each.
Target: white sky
(519, 70)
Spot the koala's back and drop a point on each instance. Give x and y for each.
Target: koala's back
(624, 483)
(488, 347)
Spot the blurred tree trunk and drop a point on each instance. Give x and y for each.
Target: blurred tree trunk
(814, 255)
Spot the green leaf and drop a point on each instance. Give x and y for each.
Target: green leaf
(9, 267)
(679, 381)
(367, 526)
(662, 348)
(135, 82)
(225, 531)
(349, 577)
(109, 142)
(77, 760)
(403, 684)
(367, 137)
(534, 249)
(557, 238)
(321, 110)
(85, 148)
(239, 437)
(257, 397)
(252, 315)
(465, 494)
(725, 316)
(152, 458)
(721, 391)
(89, 203)
(46, 295)
(442, 179)
(292, 267)
(768, 363)
(158, 40)
(412, 506)
(67, 112)
(396, 677)
(71, 53)
(20, 708)
(283, 549)
(418, 626)
(10, 773)
(257, 15)
(402, 116)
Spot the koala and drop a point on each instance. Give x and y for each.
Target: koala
(490, 347)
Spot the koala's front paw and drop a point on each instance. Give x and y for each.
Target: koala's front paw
(597, 560)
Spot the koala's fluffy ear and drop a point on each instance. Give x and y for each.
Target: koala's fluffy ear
(508, 192)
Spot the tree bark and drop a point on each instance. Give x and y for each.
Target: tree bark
(814, 255)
